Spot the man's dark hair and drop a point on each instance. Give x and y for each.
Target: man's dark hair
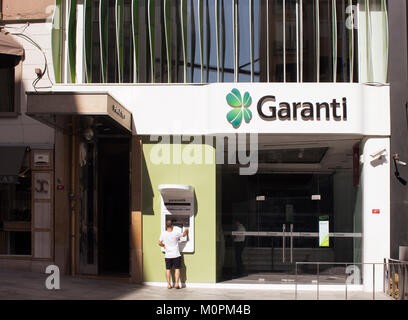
(169, 224)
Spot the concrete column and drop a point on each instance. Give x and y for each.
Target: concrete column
(376, 196)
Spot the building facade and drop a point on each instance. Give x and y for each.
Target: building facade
(275, 114)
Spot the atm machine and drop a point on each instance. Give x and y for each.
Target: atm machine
(177, 204)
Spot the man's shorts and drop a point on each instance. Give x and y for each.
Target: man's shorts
(173, 263)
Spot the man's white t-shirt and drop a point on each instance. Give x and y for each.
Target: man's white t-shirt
(171, 241)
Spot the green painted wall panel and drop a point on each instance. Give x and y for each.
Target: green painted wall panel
(200, 265)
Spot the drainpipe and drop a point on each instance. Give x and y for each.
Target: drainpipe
(72, 196)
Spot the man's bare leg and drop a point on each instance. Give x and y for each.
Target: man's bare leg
(168, 278)
(177, 278)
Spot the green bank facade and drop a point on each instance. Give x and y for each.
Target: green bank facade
(200, 266)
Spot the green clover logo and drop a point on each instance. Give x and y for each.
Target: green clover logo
(234, 99)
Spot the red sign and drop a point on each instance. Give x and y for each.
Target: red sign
(60, 187)
(376, 211)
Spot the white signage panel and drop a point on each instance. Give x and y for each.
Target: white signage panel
(270, 108)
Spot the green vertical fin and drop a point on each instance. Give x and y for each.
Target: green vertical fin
(88, 40)
(151, 17)
(384, 10)
(119, 37)
(184, 35)
(201, 34)
(135, 34)
(72, 39)
(167, 28)
(56, 32)
(103, 37)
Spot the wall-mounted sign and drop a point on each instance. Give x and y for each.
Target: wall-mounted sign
(218, 108)
(333, 109)
(118, 110)
(42, 159)
(260, 198)
(307, 111)
(324, 234)
(376, 211)
(316, 197)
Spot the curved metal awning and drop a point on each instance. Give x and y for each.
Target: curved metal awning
(11, 52)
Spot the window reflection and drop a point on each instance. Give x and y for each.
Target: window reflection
(204, 41)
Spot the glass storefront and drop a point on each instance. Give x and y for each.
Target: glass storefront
(15, 210)
(277, 212)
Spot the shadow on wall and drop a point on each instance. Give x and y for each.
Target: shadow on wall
(147, 191)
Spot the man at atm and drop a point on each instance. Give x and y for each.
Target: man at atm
(169, 240)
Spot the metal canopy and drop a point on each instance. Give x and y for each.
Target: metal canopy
(100, 110)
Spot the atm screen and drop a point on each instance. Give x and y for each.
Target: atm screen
(179, 220)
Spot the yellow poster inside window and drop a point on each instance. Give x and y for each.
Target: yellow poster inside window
(324, 234)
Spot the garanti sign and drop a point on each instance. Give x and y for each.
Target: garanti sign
(269, 108)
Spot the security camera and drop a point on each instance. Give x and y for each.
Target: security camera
(379, 154)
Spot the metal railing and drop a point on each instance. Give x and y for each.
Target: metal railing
(395, 282)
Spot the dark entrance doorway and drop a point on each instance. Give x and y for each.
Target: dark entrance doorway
(104, 194)
(113, 198)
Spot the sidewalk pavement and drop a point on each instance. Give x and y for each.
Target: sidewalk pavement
(16, 285)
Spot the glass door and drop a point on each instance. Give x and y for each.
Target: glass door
(290, 213)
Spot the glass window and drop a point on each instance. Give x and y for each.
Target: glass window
(7, 90)
(112, 52)
(281, 210)
(244, 41)
(309, 42)
(326, 41)
(127, 43)
(15, 214)
(210, 42)
(205, 41)
(96, 50)
(226, 41)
